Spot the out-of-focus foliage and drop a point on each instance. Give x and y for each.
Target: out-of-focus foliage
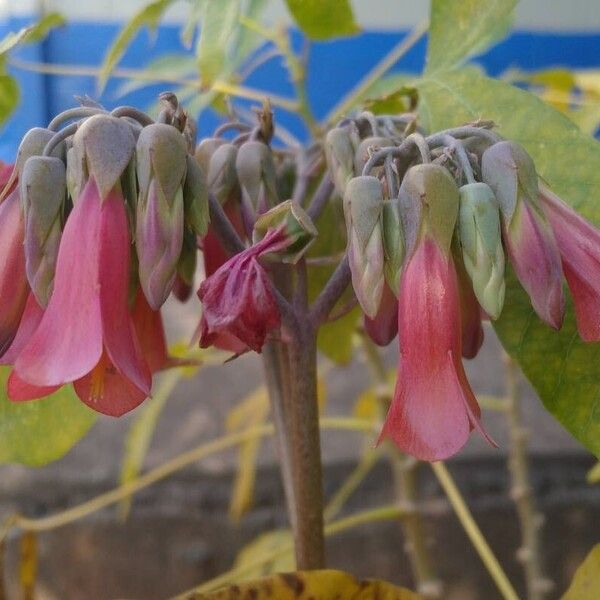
(324, 19)
(36, 433)
(586, 583)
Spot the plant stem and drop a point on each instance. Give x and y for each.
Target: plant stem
(320, 197)
(274, 359)
(377, 72)
(529, 554)
(404, 470)
(306, 449)
(331, 293)
(472, 530)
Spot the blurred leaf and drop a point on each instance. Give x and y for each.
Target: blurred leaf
(335, 338)
(219, 23)
(37, 432)
(593, 475)
(9, 94)
(305, 585)
(171, 66)
(586, 583)
(149, 16)
(324, 19)
(403, 99)
(267, 544)
(252, 411)
(367, 405)
(458, 30)
(42, 28)
(141, 432)
(567, 377)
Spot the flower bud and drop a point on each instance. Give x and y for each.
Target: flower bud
(393, 244)
(297, 225)
(366, 148)
(222, 174)
(428, 205)
(340, 146)
(256, 175)
(195, 198)
(205, 149)
(106, 145)
(363, 204)
(528, 238)
(161, 165)
(186, 267)
(481, 242)
(43, 189)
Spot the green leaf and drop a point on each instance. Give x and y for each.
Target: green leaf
(324, 19)
(335, 338)
(459, 30)
(9, 95)
(586, 583)
(404, 99)
(220, 20)
(149, 16)
(562, 368)
(37, 432)
(32, 33)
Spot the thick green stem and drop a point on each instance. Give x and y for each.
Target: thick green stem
(404, 470)
(306, 449)
(529, 554)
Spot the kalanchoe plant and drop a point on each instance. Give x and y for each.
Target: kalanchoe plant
(103, 218)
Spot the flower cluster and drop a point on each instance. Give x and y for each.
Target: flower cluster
(431, 222)
(93, 222)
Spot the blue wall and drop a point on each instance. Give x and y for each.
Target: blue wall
(334, 68)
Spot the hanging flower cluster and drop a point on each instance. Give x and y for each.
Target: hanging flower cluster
(101, 220)
(431, 222)
(93, 222)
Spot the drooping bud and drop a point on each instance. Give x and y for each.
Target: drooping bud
(222, 174)
(509, 171)
(393, 244)
(106, 145)
(195, 198)
(161, 166)
(340, 146)
(256, 175)
(205, 149)
(383, 328)
(428, 205)
(186, 267)
(43, 189)
(363, 204)
(366, 148)
(481, 242)
(296, 224)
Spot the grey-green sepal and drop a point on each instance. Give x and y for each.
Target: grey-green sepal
(195, 198)
(222, 175)
(256, 175)
(340, 146)
(393, 243)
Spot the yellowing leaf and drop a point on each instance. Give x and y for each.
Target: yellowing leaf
(586, 583)
(267, 544)
(401, 100)
(593, 475)
(28, 563)
(252, 411)
(305, 585)
(367, 405)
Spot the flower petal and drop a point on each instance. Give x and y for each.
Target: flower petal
(68, 342)
(18, 390)
(384, 327)
(32, 315)
(150, 333)
(113, 275)
(13, 280)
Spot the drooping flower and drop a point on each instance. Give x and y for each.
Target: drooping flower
(579, 245)
(238, 300)
(383, 328)
(470, 312)
(433, 409)
(86, 334)
(528, 237)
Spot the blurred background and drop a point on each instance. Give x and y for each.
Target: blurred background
(180, 531)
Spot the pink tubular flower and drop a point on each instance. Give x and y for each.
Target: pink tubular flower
(13, 279)
(86, 334)
(433, 409)
(470, 313)
(238, 301)
(579, 246)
